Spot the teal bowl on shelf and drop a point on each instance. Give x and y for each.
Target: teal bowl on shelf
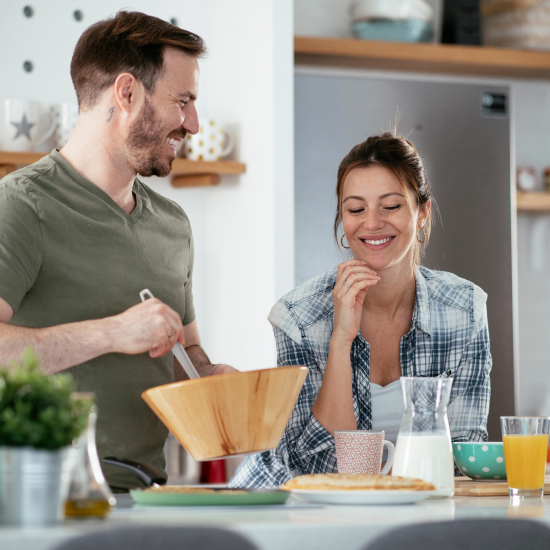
(407, 30)
(480, 460)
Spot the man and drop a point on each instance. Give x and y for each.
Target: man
(80, 236)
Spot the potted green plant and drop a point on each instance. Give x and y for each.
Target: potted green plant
(40, 415)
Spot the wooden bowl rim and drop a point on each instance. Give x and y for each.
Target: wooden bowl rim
(220, 376)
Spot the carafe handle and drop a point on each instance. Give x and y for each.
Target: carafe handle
(389, 461)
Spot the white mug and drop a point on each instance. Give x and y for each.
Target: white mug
(24, 124)
(66, 115)
(210, 143)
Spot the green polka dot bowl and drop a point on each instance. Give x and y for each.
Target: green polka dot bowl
(480, 460)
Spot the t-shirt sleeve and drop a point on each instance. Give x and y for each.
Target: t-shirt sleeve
(21, 244)
(189, 315)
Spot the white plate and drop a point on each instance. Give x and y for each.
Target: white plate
(362, 497)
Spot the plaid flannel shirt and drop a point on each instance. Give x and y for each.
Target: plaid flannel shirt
(449, 337)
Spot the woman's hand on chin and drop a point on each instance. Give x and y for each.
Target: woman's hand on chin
(352, 283)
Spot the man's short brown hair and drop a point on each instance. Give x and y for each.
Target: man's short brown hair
(130, 42)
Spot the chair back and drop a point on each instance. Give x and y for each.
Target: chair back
(471, 534)
(159, 537)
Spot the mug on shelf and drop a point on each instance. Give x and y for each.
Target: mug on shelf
(212, 142)
(65, 115)
(360, 452)
(24, 124)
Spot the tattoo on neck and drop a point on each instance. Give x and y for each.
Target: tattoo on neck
(111, 111)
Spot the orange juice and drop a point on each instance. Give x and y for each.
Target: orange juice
(525, 457)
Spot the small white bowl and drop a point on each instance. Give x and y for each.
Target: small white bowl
(392, 10)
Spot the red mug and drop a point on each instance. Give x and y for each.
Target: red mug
(360, 452)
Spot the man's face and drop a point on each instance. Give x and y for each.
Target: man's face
(167, 115)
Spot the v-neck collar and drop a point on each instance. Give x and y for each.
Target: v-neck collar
(78, 178)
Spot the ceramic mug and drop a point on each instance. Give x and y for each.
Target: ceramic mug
(66, 115)
(210, 143)
(24, 124)
(360, 452)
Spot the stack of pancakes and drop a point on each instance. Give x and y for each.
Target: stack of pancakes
(356, 482)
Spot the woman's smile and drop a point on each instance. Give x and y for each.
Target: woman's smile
(378, 242)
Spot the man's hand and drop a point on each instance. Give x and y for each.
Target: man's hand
(223, 369)
(150, 326)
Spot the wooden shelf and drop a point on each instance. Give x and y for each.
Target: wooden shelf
(533, 202)
(429, 58)
(186, 173)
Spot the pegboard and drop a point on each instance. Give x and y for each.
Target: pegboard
(37, 39)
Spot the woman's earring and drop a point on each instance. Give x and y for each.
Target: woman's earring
(342, 241)
(423, 235)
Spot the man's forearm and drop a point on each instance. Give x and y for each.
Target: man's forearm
(59, 347)
(200, 360)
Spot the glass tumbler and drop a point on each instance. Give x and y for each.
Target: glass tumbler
(525, 441)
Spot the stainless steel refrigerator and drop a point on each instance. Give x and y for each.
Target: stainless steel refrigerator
(462, 131)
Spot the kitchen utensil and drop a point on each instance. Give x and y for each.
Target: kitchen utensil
(89, 494)
(360, 452)
(423, 447)
(480, 459)
(229, 414)
(487, 488)
(24, 124)
(178, 350)
(525, 441)
(362, 497)
(218, 497)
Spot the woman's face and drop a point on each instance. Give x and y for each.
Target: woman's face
(379, 223)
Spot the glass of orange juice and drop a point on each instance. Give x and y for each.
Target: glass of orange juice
(525, 441)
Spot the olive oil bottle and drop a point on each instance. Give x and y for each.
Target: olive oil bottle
(89, 494)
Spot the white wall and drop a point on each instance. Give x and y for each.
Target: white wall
(249, 220)
(242, 228)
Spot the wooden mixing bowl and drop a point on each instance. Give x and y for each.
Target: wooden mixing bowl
(229, 414)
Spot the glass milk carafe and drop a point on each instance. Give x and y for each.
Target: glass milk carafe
(89, 494)
(424, 449)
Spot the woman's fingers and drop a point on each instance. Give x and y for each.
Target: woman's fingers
(348, 270)
(355, 277)
(349, 264)
(349, 294)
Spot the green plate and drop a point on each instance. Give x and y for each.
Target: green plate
(219, 498)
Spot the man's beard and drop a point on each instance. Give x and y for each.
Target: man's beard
(145, 144)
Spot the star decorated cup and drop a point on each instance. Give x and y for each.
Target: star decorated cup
(24, 124)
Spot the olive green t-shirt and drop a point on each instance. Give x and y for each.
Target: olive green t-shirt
(69, 253)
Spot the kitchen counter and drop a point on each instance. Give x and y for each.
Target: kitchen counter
(292, 526)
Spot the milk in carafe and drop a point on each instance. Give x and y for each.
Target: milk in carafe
(427, 457)
(424, 449)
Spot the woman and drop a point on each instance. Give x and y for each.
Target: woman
(379, 316)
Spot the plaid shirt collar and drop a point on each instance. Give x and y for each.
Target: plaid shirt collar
(421, 315)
